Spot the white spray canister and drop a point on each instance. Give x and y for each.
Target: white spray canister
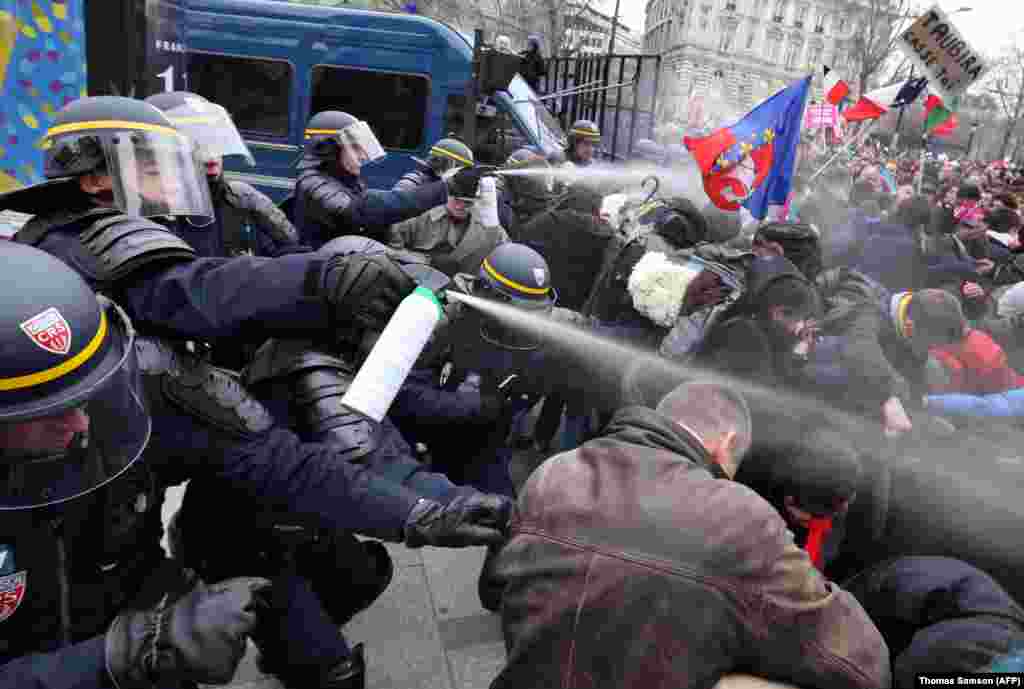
(382, 374)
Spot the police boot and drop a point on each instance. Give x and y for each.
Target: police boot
(300, 644)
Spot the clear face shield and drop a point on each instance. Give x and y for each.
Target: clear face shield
(56, 448)
(359, 145)
(157, 174)
(212, 129)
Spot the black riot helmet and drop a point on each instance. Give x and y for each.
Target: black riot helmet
(208, 125)
(72, 416)
(331, 131)
(516, 275)
(533, 186)
(152, 167)
(448, 154)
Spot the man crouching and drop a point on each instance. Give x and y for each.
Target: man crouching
(636, 562)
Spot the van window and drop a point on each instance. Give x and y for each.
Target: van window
(360, 93)
(256, 92)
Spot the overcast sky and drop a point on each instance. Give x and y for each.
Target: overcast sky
(989, 25)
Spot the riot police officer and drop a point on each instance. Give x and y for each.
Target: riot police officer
(447, 154)
(524, 196)
(111, 164)
(491, 357)
(247, 221)
(122, 155)
(584, 137)
(89, 598)
(331, 198)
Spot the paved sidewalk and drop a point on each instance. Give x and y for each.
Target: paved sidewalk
(428, 630)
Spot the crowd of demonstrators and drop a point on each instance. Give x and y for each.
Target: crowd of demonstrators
(696, 446)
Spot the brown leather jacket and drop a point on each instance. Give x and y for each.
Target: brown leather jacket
(634, 562)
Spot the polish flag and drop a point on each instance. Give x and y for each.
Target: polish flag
(835, 88)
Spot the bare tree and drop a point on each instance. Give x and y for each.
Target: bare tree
(1006, 82)
(872, 47)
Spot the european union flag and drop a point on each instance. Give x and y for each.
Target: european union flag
(751, 162)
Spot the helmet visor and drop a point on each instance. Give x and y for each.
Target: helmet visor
(55, 453)
(361, 142)
(212, 129)
(157, 174)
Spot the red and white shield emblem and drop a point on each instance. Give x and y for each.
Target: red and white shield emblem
(12, 592)
(49, 330)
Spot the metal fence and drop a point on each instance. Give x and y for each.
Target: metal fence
(617, 92)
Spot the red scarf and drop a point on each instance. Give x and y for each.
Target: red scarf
(818, 529)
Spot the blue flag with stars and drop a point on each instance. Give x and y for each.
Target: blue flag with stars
(751, 163)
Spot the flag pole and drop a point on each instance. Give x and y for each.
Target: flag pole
(860, 139)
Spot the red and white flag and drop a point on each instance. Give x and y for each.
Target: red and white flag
(835, 88)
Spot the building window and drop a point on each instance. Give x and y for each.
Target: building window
(256, 92)
(730, 5)
(728, 37)
(801, 16)
(814, 57)
(774, 47)
(819, 25)
(841, 28)
(750, 39)
(340, 88)
(792, 55)
(780, 11)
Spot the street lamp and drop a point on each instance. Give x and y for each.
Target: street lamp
(970, 141)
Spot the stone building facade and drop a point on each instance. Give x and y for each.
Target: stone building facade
(741, 51)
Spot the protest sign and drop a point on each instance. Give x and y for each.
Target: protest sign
(820, 115)
(936, 48)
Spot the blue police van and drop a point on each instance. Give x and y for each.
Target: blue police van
(273, 64)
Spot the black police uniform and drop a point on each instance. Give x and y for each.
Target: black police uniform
(81, 528)
(423, 174)
(330, 202)
(249, 222)
(205, 412)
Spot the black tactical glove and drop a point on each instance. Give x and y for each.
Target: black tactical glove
(364, 289)
(464, 182)
(199, 638)
(474, 519)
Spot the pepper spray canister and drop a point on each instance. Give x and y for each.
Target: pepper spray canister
(388, 364)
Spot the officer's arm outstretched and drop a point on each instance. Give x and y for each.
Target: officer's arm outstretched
(123, 198)
(73, 422)
(331, 199)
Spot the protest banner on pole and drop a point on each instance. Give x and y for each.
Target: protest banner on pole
(936, 48)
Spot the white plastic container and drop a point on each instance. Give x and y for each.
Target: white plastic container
(382, 374)
(486, 206)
